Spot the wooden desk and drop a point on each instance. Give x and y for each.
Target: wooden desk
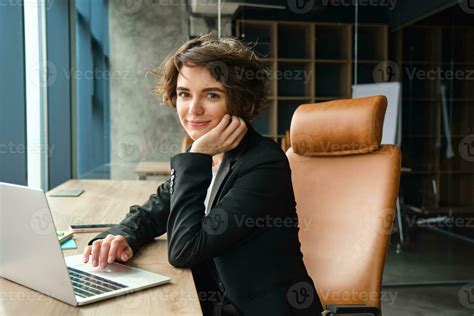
(152, 168)
(106, 201)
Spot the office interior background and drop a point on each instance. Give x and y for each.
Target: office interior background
(87, 64)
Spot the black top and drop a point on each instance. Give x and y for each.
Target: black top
(248, 241)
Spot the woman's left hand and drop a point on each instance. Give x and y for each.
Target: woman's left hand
(223, 137)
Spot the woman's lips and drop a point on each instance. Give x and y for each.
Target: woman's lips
(198, 123)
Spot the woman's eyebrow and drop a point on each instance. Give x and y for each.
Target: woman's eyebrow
(203, 90)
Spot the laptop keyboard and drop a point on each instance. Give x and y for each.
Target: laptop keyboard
(87, 285)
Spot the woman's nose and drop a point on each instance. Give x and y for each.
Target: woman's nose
(195, 107)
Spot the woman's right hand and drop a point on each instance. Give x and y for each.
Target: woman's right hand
(223, 137)
(106, 250)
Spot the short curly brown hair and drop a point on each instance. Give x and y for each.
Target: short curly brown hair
(244, 76)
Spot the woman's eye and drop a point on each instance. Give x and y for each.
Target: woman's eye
(213, 95)
(183, 94)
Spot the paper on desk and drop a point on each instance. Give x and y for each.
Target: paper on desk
(66, 192)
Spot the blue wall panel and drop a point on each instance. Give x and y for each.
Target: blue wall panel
(13, 166)
(59, 93)
(93, 90)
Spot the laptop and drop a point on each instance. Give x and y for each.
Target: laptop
(30, 255)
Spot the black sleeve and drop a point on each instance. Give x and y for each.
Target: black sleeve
(143, 223)
(193, 237)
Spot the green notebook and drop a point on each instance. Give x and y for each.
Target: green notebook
(64, 235)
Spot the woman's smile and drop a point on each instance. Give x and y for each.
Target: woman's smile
(197, 124)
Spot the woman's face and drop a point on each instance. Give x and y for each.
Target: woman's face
(201, 101)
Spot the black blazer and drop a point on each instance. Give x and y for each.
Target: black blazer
(248, 243)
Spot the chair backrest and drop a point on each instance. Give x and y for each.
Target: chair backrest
(392, 125)
(346, 186)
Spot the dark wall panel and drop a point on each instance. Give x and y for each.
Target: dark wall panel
(408, 11)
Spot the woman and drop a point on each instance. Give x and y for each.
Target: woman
(228, 208)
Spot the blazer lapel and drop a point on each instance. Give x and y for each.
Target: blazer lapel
(220, 176)
(226, 166)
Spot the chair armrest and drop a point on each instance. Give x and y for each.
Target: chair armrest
(352, 309)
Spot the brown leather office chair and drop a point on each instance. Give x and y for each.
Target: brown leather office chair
(346, 186)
